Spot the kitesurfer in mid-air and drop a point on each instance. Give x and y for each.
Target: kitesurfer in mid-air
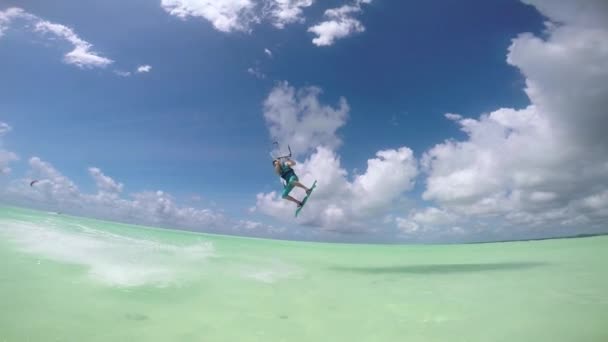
(283, 169)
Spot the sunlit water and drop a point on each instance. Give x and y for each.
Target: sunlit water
(72, 279)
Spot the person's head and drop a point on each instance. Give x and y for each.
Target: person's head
(274, 162)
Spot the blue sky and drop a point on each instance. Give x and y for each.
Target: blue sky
(194, 125)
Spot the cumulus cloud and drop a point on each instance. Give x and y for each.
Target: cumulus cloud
(249, 226)
(542, 165)
(52, 186)
(224, 15)
(347, 205)
(388, 176)
(339, 23)
(6, 157)
(431, 217)
(283, 12)
(240, 15)
(296, 117)
(55, 191)
(342, 202)
(81, 55)
(144, 68)
(103, 182)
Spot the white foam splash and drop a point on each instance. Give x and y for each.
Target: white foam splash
(112, 259)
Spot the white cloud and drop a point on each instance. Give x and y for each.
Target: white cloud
(4, 128)
(388, 175)
(426, 219)
(343, 205)
(9, 15)
(52, 186)
(545, 165)
(144, 68)
(407, 225)
(6, 157)
(122, 73)
(55, 191)
(158, 207)
(250, 224)
(224, 15)
(256, 72)
(299, 119)
(541, 165)
(339, 23)
(268, 52)
(139, 70)
(103, 182)
(258, 228)
(283, 12)
(82, 55)
(586, 14)
(240, 15)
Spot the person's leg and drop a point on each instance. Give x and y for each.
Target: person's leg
(288, 187)
(289, 198)
(298, 184)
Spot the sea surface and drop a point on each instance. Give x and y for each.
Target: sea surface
(65, 278)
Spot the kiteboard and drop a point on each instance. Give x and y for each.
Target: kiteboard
(314, 185)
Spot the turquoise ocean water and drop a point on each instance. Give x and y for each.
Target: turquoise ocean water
(65, 278)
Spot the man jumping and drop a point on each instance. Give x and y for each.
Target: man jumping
(284, 170)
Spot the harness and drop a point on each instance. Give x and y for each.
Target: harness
(286, 172)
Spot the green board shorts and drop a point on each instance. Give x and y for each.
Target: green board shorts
(289, 186)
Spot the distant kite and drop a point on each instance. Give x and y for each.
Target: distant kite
(33, 182)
